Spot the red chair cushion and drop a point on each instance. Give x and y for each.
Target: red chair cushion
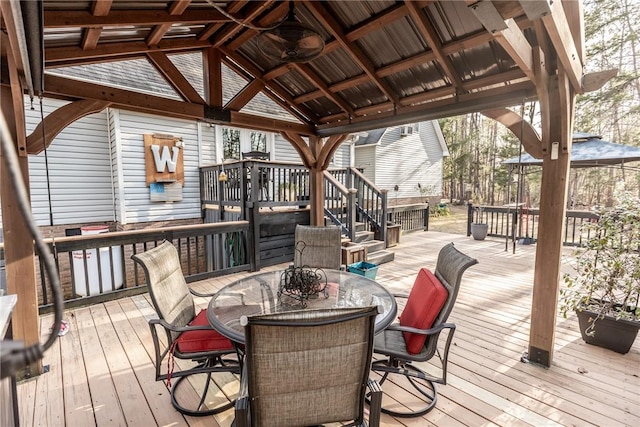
(425, 301)
(202, 340)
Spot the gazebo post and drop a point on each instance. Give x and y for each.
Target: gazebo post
(556, 142)
(19, 250)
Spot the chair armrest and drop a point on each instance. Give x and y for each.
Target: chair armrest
(375, 396)
(405, 296)
(432, 331)
(242, 408)
(201, 295)
(173, 328)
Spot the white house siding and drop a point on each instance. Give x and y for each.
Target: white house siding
(341, 156)
(284, 151)
(366, 161)
(80, 178)
(207, 138)
(139, 208)
(407, 161)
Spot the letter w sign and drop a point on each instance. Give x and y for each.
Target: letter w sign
(163, 160)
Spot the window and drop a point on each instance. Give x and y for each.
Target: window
(238, 141)
(230, 143)
(259, 142)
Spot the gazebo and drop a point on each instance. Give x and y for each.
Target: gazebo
(354, 66)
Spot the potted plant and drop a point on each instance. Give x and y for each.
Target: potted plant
(479, 229)
(605, 288)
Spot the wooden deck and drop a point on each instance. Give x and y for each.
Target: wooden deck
(101, 373)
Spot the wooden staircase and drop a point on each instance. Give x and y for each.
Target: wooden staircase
(376, 251)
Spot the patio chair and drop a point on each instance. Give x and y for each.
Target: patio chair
(308, 368)
(318, 247)
(415, 337)
(187, 335)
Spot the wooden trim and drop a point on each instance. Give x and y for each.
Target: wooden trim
(311, 75)
(59, 119)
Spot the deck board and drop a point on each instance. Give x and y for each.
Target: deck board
(102, 373)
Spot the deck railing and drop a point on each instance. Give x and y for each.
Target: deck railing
(518, 222)
(98, 267)
(410, 217)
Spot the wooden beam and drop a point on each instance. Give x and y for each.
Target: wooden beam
(174, 77)
(245, 95)
(521, 128)
(92, 35)
(65, 88)
(316, 184)
(554, 186)
(231, 29)
(127, 18)
(311, 75)
(328, 149)
(301, 112)
(19, 253)
(158, 32)
(594, 81)
(64, 56)
(507, 34)
(506, 96)
(210, 29)
(301, 148)
(55, 122)
(333, 26)
(272, 17)
(431, 37)
(555, 22)
(212, 76)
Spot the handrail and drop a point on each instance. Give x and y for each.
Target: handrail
(521, 223)
(371, 204)
(339, 204)
(98, 267)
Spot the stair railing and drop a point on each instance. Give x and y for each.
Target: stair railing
(340, 205)
(370, 204)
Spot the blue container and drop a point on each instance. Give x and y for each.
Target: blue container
(365, 269)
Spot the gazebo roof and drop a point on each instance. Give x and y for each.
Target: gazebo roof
(385, 62)
(588, 150)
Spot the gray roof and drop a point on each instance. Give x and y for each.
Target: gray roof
(372, 137)
(140, 75)
(589, 150)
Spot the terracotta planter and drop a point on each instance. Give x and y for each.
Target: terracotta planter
(479, 231)
(609, 333)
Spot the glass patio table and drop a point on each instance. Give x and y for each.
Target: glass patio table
(260, 294)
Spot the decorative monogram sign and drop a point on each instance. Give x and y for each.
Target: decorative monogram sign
(164, 167)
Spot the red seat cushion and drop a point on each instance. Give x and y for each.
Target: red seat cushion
(202, 340)
(425, 301)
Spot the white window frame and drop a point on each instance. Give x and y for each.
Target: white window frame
(245, 142)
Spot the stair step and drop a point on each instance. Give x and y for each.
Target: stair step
(363, 236)
(373, 245)
(380, 257)
(359, 226)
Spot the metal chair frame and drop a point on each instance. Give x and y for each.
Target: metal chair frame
(450, 267)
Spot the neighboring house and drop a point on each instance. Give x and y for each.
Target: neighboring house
(102, 180)
(405, 160)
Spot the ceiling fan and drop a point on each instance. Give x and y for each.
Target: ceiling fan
(291, 41)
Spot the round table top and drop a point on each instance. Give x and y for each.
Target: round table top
(260, 294)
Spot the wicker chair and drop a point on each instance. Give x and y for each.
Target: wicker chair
(307, 368)
(188, 336)
(415, 337)
(318, 247)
